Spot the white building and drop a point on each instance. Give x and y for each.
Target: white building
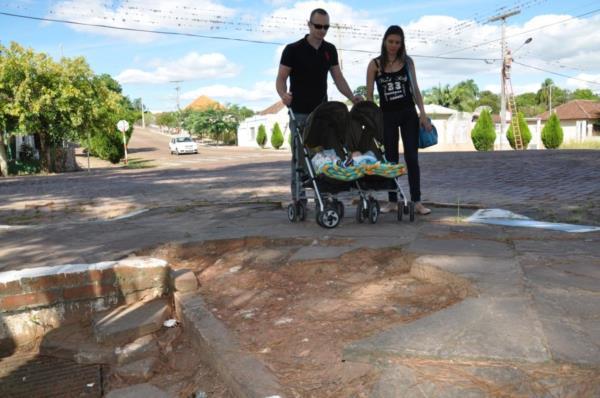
(454, 127)
(248, 129)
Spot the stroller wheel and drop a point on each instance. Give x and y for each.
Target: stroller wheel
(301, 211)
(411, 211)
(400, 210)
(373, 210)
(329, 218)
(406, 211)
(291, 212)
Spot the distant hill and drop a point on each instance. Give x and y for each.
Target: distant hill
(203, 103)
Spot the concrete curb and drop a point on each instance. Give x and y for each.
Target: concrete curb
(245, 375)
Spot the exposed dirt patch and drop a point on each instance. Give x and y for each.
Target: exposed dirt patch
(298, 315)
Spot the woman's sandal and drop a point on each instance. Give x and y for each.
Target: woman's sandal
(422, 210)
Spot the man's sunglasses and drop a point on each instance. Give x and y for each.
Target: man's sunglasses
(319, 26)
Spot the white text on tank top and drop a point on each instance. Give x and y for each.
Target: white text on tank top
(393, 86)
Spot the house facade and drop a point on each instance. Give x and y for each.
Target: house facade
(248, 128)
(454, 127)
(579, 119)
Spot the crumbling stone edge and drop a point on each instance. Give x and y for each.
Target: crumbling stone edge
(245, 375)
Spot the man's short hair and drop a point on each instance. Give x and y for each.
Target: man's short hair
(317, 11)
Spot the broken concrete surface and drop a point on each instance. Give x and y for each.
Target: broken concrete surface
(127, 323)
(184, 280)
(137, 391)
(245, 375)
(140, 370)
(143, 347)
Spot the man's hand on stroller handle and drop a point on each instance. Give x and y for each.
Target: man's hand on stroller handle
(286, 98)
(356, 99)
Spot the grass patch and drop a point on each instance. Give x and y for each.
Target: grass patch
(137, 163)
(587, 144)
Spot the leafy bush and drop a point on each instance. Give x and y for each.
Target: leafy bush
(552, 133)
(22, 167)
(483, 134)
(261, 137)
(525, 133)
(276, 136)
(108, 146)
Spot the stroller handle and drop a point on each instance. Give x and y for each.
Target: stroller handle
(291, 112)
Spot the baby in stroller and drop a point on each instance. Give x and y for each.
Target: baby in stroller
(345, 157)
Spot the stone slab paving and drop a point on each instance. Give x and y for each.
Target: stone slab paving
(476, 328)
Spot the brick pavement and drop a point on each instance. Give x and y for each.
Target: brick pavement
(552, 185)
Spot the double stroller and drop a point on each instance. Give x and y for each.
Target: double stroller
(331, 128)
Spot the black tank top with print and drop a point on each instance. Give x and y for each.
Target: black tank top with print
(394, 89)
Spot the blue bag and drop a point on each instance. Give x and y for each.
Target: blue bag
(427, 138)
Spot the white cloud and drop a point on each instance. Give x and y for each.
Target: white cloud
(173, 15)
(192, 66)
(260, 92)
(583, 80)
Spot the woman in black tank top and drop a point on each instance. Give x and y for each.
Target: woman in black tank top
(393, 72)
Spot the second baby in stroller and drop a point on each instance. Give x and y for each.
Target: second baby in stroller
(346, 157)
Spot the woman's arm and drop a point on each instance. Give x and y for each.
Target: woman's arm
(371, 72)
(418, 97)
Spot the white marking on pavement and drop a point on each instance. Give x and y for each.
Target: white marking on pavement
(510, 219)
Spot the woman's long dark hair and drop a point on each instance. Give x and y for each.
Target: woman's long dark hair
(383, 57)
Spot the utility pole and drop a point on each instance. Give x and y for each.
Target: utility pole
(143, 120)
(503, 17)
(178, 108)
(550, 99)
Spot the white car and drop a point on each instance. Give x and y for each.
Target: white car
(181, 145)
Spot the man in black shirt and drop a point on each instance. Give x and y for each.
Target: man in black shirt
(306, 62)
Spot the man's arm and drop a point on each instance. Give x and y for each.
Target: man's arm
(281, 84)
(342, 84)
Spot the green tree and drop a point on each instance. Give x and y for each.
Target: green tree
(584, 94)
(552, 133)
(167, 120)
(59, 101)
(261, 136)
(439, 95)
(464, 95)
(547, 89)
(528, 104)
(483, 134)
(362, 91)
(488, 98)
(525, 133)
(276, 136)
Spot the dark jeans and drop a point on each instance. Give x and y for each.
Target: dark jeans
(297, 155)
(408, 122)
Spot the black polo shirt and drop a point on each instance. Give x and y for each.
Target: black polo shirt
(308, 78)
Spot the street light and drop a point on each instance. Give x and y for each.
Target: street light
(521, 46)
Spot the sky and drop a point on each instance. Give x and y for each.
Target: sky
(230, 50)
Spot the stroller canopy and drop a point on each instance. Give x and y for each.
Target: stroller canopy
(331, 126)
(367, 121)
(328, 126)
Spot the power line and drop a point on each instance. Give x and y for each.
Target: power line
(524, 32)
(162, 32)
(556, 73)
